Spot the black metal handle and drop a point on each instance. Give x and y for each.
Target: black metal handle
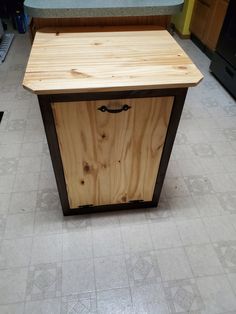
(123, 108)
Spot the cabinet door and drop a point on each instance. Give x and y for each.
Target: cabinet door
(216, 23)
(108, 157)
(200, 18)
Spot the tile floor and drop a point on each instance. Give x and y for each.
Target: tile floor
(179, 258)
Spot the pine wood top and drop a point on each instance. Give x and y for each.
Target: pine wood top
(65, 61)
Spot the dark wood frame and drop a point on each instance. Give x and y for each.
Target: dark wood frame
(45, 102)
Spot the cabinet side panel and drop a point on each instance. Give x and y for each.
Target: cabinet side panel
(111, 158)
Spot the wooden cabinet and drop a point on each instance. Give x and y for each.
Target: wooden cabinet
(207, 20)
(200, 19)
(216, 23)
(111, 104)
(111, 149)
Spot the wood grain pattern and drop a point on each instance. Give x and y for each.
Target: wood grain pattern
(111, 158)
(71, 62)
(201, 17)
(215, 24)
(207, 20)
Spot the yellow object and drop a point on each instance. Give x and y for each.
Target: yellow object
(182, 20)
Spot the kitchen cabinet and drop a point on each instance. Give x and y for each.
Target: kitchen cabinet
(99, 14)
(216, 23)
(201, 15)
(111, 104)
(207, 20)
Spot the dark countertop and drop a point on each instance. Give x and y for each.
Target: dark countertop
(101, 8)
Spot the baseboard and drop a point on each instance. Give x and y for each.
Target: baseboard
(209, 53)
(182, 36)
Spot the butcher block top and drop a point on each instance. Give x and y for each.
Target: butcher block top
(66, 61)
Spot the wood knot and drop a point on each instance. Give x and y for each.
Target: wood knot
(97, 44)
(82, 182)
(124, 199)
(79, 74)
(182, 67)
(103, 135)
(86, 167)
